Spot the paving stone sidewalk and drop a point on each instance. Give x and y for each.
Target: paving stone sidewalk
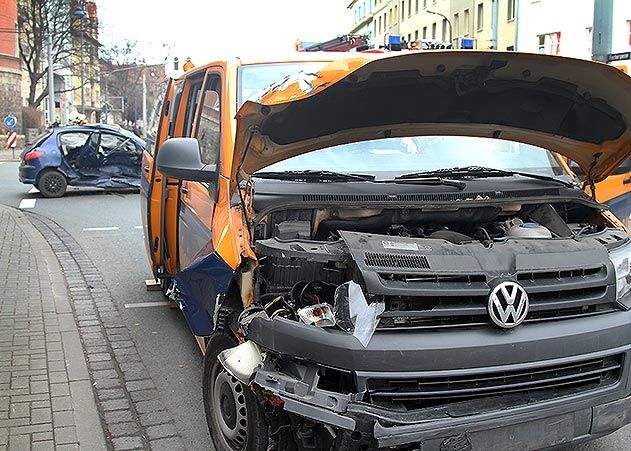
(46, 396)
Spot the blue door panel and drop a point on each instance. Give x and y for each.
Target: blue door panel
(199, 290)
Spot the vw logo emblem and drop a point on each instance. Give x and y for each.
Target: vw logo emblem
(508, 304)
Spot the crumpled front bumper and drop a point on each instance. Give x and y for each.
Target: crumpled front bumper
(531, 427)
(294, 365)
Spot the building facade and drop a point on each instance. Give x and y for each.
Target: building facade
(361, 11)
(490, 22)
(10, 66)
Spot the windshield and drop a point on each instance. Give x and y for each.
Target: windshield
(391, 157)
(255, 79)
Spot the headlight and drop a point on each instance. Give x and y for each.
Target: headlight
(620, 259)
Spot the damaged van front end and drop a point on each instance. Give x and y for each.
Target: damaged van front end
(461, 307)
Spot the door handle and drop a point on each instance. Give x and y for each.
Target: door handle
(627, 180)
(145, 168)
(183, 190)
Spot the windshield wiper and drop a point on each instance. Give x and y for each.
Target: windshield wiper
(422, 180)
(481, 171)
(315, 176)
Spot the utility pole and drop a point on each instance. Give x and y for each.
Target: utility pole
(51, 78)
(601, 30)
(144, 102)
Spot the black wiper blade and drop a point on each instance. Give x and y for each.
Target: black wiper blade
(481, 171)
(315, 176)
(428, 181)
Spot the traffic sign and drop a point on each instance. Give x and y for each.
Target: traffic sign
(12, 140)
(618, 56)
(10, 121)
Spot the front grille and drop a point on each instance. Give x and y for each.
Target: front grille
(408, 261)
(460, 300)
(534, 382)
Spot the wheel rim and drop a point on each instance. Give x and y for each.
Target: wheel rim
(53, 183)
(230, 410)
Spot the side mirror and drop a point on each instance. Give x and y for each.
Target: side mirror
(180, 158)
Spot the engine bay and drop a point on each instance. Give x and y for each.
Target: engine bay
(306, 254)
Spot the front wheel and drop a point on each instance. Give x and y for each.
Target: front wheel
(236, 421)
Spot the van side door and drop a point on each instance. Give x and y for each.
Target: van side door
(202, 276)
(151, 180)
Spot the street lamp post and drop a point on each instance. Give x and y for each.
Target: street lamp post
(81, 14)
(448, 21)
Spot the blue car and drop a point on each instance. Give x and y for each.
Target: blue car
(86, 155)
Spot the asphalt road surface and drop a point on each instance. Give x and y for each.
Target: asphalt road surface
(107, 226)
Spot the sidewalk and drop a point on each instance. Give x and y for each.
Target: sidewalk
(8, 154)
(46, 397)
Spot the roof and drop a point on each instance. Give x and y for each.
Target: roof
(104, 127)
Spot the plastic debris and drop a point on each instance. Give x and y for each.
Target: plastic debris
(353, 314)
(318, 314)
(242, 361)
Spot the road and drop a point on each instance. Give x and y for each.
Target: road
(107, 226)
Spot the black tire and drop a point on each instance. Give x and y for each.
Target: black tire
(52, 183)
(236, 421)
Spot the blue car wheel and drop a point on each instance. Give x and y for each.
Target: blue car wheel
(52, 183)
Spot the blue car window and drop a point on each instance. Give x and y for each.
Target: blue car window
(71, 143)
(111, 143)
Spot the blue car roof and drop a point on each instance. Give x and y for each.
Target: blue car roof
(99, 127)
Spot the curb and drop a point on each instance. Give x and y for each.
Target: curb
(131, 412)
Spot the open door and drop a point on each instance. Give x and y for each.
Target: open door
(150, 186)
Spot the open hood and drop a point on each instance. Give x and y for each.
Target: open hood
(579, 109)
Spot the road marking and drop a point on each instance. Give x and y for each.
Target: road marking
(27, 203)
(138, 227)
(99, 229)
(147, 304)
(33, 191)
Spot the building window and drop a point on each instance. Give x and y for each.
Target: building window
(629, 27)
(457, 24)
(402, 11)
(466, 22)
(410, 8)
(379, 24)
(409, 37)
(480, 22)
(550, 43)
(416, 35)
(424, 32)
(590, 37)
(511, 10)
(424, 4)
(434, 30)
(416, 7)
(395, 18)
(445, 30)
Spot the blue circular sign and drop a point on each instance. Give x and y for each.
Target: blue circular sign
(10, 121)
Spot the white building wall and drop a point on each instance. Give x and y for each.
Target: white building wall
(621, 26)
(573, 20)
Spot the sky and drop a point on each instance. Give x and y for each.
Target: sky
(211, 29)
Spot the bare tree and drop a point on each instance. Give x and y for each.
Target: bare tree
(36, 19)
(122, 69)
